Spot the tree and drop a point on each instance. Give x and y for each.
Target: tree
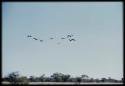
(91, 80)
(79, 79)
(97, 80)
(42, 77)
(103, 79)
(32, 78)
(48, 79)
(65, 77)
(84, 77)
(57, 76)
(110, 79)
(12, 77)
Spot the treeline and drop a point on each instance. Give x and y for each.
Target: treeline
(16, 78)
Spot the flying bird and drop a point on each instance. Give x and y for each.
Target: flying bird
(35, 38)
(69, 36)
(29, 36)
(41, 40)
(51, 38)
(72, 40)
(62, 38)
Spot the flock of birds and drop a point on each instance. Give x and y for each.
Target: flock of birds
(69, 37)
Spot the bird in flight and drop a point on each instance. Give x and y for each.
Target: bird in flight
(41, 40)
(29, 36)
(68, 36)
(51, 38)
(62, 38)
(72, 40)
(35, 38)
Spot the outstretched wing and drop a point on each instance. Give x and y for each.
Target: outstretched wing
(35, 38)
(29, 36)
(72, 40)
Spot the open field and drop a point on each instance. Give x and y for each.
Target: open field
(64, 83)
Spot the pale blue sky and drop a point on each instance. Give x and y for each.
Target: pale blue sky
(97, 27)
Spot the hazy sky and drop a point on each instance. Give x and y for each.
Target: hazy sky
(96, 26)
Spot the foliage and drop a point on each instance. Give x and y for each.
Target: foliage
(15, 78)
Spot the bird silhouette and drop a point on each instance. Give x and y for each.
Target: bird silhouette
(35, 38)
(68, 36)
(51, 38)
(72, 40)
(62, 38)
(29, 36)
(41, 40)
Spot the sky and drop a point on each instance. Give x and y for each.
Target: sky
(96, 26)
